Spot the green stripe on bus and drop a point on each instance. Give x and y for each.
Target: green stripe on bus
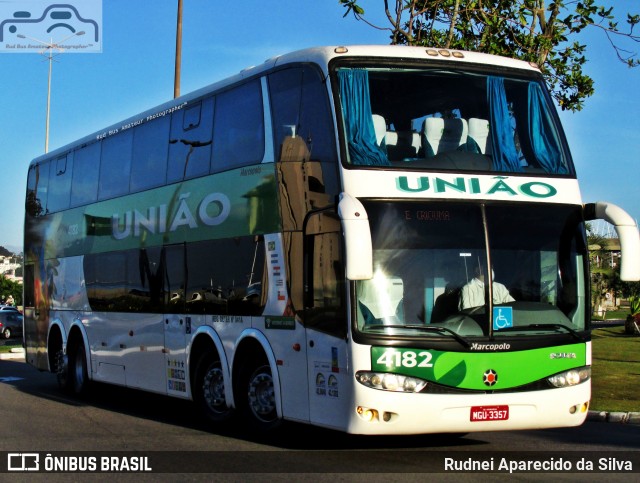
(466, 370)
(235, 203)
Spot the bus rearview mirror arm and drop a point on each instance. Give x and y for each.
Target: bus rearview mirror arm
(627, 231)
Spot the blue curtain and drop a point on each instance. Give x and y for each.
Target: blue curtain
(505, 154)
(541, 132)
(356, 108)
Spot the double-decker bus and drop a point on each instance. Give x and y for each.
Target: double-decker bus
(310, 239)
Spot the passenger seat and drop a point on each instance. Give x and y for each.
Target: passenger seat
(479, 140)
(442, 135)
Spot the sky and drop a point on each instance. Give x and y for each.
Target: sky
(135, 72)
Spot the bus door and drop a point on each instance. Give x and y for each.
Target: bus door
(177, 324)
(325, 319)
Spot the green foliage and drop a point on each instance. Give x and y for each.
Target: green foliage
(634, 305)
(351, 6)
(9, 287)
(547, 35)
(601, 278)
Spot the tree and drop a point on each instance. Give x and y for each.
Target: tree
(601, 275)
(548, 35)
(9, 287)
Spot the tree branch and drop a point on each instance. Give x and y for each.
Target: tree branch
(452, 24)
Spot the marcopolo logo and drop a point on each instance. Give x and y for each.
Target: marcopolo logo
(35, 26)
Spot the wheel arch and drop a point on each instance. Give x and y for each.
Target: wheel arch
(56, 341)
(252, 346)
(207, 339)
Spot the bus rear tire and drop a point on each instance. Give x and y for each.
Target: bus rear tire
(260, 402)
(62, 369)
(208, 391)
(78, 375)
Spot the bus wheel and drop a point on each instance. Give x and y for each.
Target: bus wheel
(208, 391)
(78, 373)
(261, 401)
(62, 369)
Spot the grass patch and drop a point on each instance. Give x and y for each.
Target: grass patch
(8, 347)
(615, 370)
(612, 314)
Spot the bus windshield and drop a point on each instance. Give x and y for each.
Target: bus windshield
(431, 262)
(440, 119)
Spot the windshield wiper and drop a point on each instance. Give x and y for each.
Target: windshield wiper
(426, 328)
(571, 331)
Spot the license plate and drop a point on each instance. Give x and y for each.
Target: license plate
(489, 413)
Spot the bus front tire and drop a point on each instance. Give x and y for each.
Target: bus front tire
(209, 392)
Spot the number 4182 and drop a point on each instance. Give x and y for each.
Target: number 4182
(393, 358)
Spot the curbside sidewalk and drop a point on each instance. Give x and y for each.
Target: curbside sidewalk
(631, 417)
(15, 354)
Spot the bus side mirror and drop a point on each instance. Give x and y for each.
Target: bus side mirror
(357, 238)
(627, 231)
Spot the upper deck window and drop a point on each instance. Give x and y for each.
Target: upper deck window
(450, 120)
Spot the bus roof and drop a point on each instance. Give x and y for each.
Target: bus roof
(318, 55)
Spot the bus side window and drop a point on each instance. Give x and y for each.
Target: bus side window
(37, 181)
(190, 141)
(60, 183)
(106, 281)
(238, 128)
(150, 148)
(86, 169)
(300, 103)
(115, 165)
(225, 277)
(29, 286)
(324, 298)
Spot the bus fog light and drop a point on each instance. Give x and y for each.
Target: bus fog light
(367, 414)
(370, 415)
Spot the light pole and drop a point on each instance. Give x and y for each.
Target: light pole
(49, 47)
(178, 59)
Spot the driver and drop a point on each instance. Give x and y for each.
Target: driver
(472, 294)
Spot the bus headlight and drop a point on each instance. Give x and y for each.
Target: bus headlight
(571, 377)
(390, 382)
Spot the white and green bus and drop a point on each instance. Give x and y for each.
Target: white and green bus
(295, 242)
